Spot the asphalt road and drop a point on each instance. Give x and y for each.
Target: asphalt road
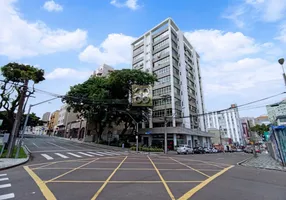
(130, 176)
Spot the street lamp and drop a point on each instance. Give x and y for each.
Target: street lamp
(26, 121)
(281, 62)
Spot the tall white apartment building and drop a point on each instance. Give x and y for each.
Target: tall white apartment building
(165, 51)
(228, 122)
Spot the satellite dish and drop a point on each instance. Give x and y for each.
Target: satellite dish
(281, 61)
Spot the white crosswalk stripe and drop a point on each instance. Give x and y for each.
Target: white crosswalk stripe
(85, 154)
(106, 153)
(75, 155)
(61, 155)
(97, 154)
(47, 156)
(5, 185)
(7, 196)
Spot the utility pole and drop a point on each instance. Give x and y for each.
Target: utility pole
(165, 127)
(17, 121)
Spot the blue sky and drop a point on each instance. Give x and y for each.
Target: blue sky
(239, 42)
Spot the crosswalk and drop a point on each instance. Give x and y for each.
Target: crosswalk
(67, 155)
(4, 184)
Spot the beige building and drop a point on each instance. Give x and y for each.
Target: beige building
(53, 121)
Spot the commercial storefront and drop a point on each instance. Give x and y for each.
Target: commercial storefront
(175, 136)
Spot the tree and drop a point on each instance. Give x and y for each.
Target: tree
(105, 100)
(260, 129)
(14, 90)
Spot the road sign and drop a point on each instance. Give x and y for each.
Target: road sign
(142, 95)
(148, 132)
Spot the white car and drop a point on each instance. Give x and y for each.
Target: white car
(214, 150)
(185, 149)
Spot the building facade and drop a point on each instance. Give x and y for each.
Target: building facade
(103, 70)
(165, 51)
(275, 110)
(263, 119)
(228, 122)
(64, 121)
(52, 124)
(46, 116)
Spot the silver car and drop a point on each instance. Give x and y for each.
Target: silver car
(185, 149)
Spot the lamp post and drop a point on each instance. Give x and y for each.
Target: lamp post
(281, 62)
(26, 122)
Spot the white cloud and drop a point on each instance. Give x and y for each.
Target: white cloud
(20, 38)
(52, 6)
(235, 68)
(219, 45)
(68, 73)
(132, 4)
(256, 10)
(282, 33)
(115, 49)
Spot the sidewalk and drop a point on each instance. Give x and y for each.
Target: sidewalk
(13, 162)
(110, 147)
(264, 161)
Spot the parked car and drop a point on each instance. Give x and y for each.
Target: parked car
(185, 149)
(207, 150)
(214, 150)
(199, 150)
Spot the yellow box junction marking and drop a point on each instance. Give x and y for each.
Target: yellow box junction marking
(71, 170)
(190, 167)
(108, 179)
(190, 193)
(43, 187)
(162, 179)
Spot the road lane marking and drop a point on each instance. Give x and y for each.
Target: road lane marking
(3, 174)
(43, 187)
(97, 154)
(47, 156)
(4, 179)
(61, 155)
(5, 185)
(36, 145)
(44, 166)
(75, 155)
(108, 179)
(85, 154)
(58, 146)
(71, 171)
(162, 179)
(105, 153)
(128, 182)
(220, 165)
(190, 193)
(190, 167)
(7, 196)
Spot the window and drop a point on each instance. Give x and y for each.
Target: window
(160, 102)
(176, 80)
(157, 46)
(161, 91)
(138, 56)
(161, 53)
(162, 70)
(160, 36)
(175, 62)
(176, 71)
(164, 60)
(139, 49)
(177, 91)
(163, 80)
(160, 113)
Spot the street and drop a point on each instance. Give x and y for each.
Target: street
(55, 173)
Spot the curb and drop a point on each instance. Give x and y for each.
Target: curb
(21, 163)
(243, 161)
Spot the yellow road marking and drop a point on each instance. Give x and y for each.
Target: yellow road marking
(191, 167)
(71, 171)
(43, 187)
(208, 162)
(190, 193)
(162, 179)
(44, 166)
(63, 161)
(107, 180)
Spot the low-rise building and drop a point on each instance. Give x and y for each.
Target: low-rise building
(52, 124)
(263, 119)
(46, 116)
(64, 120)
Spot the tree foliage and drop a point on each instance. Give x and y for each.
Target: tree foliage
(15, 75)
(105, 100)
(260, 129)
